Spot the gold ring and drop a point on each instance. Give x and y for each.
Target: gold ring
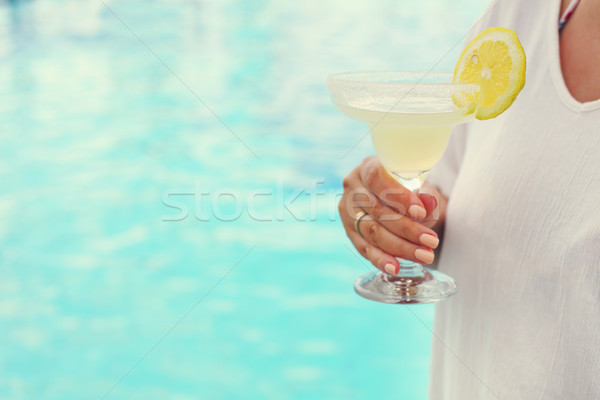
(359, 215)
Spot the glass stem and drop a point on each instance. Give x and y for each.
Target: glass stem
(411, 272)
(412, 182)
(410, 269)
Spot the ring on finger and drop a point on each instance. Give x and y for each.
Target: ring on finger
(357, 218)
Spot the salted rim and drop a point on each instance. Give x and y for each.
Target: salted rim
(398, 91)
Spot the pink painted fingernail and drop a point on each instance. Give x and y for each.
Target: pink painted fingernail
(417, 212)
(390, 269)
(429, 240)
(424, 255)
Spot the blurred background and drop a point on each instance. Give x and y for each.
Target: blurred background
(169, 181)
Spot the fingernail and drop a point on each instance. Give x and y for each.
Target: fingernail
(434, 201)
(429, 240)
(417, 212)
(424, 255)
(390, 269)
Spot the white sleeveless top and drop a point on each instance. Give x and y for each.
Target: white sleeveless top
(522, 236)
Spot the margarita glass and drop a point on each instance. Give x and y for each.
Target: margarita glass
(410, 117)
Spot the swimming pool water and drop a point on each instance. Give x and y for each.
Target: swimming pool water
(168, 209)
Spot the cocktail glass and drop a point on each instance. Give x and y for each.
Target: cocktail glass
(410, 117)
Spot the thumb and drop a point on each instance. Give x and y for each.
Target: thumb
(429, 201)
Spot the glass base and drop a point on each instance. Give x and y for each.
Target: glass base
(434, 286)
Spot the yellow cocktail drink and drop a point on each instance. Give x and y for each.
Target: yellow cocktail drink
(408, 143)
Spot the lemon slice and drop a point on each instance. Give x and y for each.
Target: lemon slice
(496, 61)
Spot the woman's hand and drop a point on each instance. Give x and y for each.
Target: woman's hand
(398, 222)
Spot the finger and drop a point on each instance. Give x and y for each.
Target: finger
(348, 210)
(435, 204)
(402, 226)
(433, 210)
(417, 249)
(377, 180)
(377, 257)
(429, 201)
(378, 236)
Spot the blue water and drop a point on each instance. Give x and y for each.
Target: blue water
(169, 179)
